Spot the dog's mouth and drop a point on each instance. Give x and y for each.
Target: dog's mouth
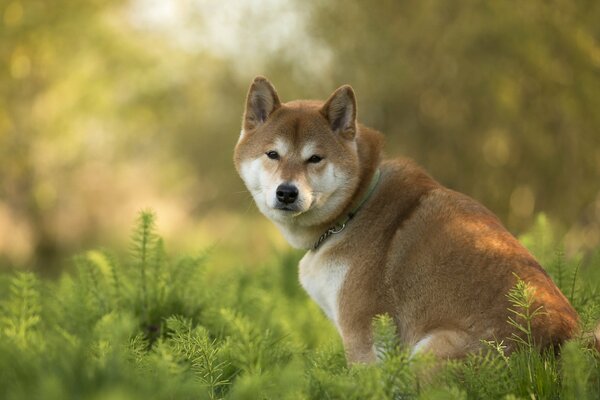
(289, 209)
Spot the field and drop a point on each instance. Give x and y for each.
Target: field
(109, 107)
(149, 325)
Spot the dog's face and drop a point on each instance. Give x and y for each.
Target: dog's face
(299, 159)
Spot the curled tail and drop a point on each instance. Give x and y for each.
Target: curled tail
(596, 338)
(592, 339)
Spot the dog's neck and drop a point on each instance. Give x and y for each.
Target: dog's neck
(304, 236)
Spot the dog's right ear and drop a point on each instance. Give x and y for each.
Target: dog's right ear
(261, 101)
(340, 111)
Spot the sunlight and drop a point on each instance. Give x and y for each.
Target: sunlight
(245, 30)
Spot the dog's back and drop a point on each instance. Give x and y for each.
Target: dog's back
(442, 265)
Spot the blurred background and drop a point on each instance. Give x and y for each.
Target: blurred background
(111, 106)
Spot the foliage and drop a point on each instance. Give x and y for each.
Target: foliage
(521, 298)
(501, 90)
(161, 327)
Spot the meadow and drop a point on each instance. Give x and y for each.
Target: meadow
(107, 107)
(150, 325)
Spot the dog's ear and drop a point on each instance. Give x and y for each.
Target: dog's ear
(261, 101)
(340, 111)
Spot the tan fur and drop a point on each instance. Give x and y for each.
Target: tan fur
(435, 260)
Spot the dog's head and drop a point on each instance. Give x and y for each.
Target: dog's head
(298, 159)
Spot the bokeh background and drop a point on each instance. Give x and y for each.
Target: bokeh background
(111, 106)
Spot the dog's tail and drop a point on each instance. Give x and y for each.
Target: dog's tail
(596, 338)
(592, 339)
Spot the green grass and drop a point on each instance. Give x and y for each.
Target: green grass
(162, 327)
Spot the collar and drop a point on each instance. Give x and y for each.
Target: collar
(341, 224)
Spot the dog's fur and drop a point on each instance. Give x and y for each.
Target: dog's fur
(435, 260)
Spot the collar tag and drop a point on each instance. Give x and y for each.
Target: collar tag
(331, 231)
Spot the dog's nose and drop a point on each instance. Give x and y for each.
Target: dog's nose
(287, 193)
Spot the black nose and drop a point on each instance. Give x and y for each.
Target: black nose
(287, 193)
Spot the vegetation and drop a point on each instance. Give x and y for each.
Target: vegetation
(106, 106)
(167, 327)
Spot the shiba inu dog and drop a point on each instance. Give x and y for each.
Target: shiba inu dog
(383, 236)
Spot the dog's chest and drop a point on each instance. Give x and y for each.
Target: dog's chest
(323, 277)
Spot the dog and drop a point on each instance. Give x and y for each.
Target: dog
(384, 236)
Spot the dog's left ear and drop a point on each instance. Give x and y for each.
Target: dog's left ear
(261, 101)
(340, 111)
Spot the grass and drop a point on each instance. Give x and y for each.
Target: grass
(163, 327)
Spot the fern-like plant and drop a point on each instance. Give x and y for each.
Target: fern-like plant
(521, 298)
(21, 311)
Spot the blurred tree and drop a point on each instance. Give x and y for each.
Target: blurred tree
(497, 99)
(36, 50)
(75, 90)
(107, 107)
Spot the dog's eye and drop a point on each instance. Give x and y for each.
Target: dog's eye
(273, 155)
(315, 159)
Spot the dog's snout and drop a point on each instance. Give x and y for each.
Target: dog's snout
(287, 193)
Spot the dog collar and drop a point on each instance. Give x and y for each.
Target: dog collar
(338, 227)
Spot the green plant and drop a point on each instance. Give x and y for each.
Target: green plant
(185, 329)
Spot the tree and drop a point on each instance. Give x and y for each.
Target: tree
(497, 99)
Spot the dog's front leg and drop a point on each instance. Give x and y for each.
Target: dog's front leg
(357, 307)
(359, 348)
(357, 337)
